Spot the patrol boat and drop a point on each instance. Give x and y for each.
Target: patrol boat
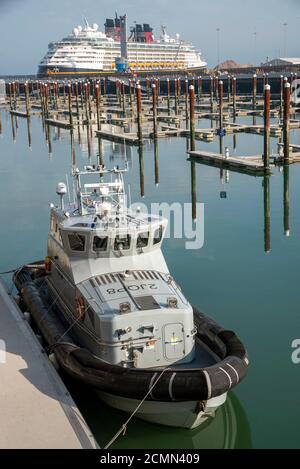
(115, 318)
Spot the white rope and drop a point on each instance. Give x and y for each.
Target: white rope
(124, 426)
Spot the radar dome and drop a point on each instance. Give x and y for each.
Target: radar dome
(79, 28)
(61, 188)
(75, 31)
(95, 26)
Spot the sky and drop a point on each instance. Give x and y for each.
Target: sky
(27, 26)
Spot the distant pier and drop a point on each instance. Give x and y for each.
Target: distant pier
(132, 111)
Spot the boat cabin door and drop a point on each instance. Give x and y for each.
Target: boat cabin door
(174, 347)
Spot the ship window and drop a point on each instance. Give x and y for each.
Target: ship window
(76, 242)
(142, 240)
(100, 244)
(122, 242)
(158, 235)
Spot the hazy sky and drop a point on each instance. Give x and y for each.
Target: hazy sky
(27, 26)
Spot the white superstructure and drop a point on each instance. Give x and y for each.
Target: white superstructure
(89, 50)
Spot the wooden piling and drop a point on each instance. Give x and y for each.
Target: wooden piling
(281, 95)
(229, 89)
(286, 123)
(76, 99)
(187, 103)
(81, 94)
(254, 96)
(139, 113)
(42, 98)
(192, 117)
(211, 89)
(70, 105)
(10, 96)
(89, 99)
(199, 89)
(14, 95)
(176, 96)
(221, 94)
(87, 115)
(267, 125)
(27, 104)
(46, 101)
(97, 89)
(130, 96)
(154, 108)
(37, 89)
(234, 96)
(123, 97)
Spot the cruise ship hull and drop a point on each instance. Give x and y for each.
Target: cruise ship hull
(73, 72)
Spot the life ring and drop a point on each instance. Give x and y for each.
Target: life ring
(80, 308)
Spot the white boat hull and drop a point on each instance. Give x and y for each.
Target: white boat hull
(171, 414)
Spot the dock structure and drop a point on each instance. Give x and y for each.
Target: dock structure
(37, 411)
(248, 164)
(135, 111)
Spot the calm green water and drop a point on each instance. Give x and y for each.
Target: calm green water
(231, 278)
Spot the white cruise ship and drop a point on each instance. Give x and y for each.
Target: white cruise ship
(90, 51)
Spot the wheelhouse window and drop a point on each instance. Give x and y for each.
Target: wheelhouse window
(100, 243)
(122, 242)
(77, 242)
(157, 237)
(142, 240)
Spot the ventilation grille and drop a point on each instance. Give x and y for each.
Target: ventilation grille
(139, 275)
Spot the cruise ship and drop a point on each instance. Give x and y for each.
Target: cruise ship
(89, 51)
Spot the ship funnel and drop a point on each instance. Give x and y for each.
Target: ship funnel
(122, 62)
(123, 36)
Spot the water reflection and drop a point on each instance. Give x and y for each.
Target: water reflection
(225, 179)
(156, 168)
(267, 216)
(13, 127)
(286, 200)
(29, 132)
(142, 170)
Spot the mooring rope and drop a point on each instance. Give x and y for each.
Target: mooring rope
(124, 426)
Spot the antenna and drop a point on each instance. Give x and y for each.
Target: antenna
(68, 188)
(86, 22)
